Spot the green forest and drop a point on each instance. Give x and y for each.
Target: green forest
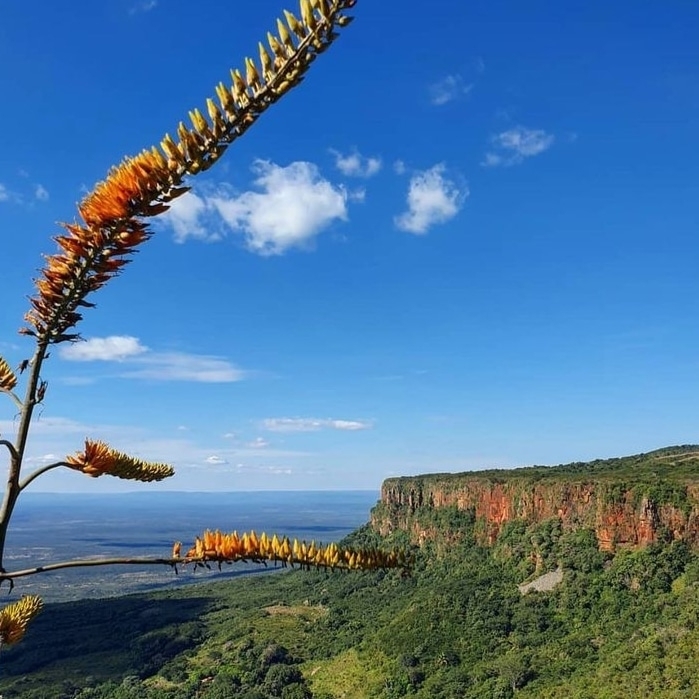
(618, 625)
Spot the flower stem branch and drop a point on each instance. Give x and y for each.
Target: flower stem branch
(24, 483)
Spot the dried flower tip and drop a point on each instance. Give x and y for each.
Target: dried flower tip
(15, 617)
(8, 380)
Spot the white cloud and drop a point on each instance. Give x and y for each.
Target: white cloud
(215, 460)
(186, 216)
(294, 205)
(258, 443)
(511, 147)
(432, 199)
(158, 366)
(180, 366)
(4, 194)
(115, 348)
(309, 424)
(399, 167)
(356, 165)
(41, 193)
(448, 89)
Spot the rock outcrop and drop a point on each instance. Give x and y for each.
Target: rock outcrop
(632, 501)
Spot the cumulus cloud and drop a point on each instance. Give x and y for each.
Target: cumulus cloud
(513, 146)
(146, 364)
(214, 459)
(115, 348)
(356, 165)
(291, 206)
(311, 424)
(449, 88)
(4, 194)
(188, 217)
(432, 199)
(41, 193)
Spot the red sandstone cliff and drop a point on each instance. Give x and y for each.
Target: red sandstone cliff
(620, 515)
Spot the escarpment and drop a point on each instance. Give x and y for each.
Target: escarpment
(628, 502)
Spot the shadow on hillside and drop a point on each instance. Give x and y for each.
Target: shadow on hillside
(107, 637)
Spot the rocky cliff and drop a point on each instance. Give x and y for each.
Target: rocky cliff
(629, 501)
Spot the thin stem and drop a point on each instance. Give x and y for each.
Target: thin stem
(10, 448)
(91, 563)
(12, 488)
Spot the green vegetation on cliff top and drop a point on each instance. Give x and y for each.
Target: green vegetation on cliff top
(676, 464)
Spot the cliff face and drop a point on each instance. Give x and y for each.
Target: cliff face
(620, 514)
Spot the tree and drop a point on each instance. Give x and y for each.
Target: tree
(110, 229)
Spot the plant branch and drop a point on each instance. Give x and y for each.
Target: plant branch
(12, 488)
(24, 483)
(90, 563)
(10, 447)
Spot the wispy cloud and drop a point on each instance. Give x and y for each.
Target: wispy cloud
(432, 198)
(39, 193)
(115, 348)
(180, 366)
(146, 364)
(354, 164)
(448, 89)
(291, 207)
(144, 6)
(513, 146)
(312, 424)
(258, 443)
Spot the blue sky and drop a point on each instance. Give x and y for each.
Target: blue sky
(468, 240)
